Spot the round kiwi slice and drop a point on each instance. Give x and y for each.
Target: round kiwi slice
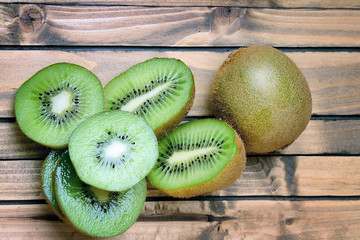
(94, 211)
(198, 157)
(47, 179)
(53, 102)
(161, 90)
(113, 150)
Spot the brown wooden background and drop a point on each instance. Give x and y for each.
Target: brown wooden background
(311, 190)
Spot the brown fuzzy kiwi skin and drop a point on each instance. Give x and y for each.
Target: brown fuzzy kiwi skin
(225, 178)
(264, 96)
(176, 120)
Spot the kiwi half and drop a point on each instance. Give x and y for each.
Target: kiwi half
(94, 211)
(47, 179)
(113, 150)
(161, 90)
(53, 102)
(198, 157)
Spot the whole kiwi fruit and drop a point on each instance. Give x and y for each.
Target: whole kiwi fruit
(264, 96)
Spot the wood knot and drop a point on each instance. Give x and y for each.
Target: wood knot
(32, 17)
(289, 221)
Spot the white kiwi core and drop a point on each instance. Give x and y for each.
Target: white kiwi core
(188, 156)
(61, 102)
(133, 104)
(115, 149)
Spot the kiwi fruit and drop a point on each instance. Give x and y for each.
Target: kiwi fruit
(198, 157)
(161, 90)
(94, 211)
(264, 96)
(113, 150)
(54, 101)
(47, 179)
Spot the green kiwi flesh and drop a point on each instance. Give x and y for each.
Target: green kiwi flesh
(47, 179)
(54, 101)
(113, 150)
(194, 154)
(161, 90)
(263, 94)
(94, 211)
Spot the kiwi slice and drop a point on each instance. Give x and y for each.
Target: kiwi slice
(53, 102)
(161, 90)
(198, 157)
(94, 211)
(113, 150)
(47, 179)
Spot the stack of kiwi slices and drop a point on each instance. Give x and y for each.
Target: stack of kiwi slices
(98, 183)
(105, 145)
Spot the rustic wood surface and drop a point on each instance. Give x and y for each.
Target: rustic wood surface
(333, 76)
(320, 137)
(345, 4)
(263, 176)
(311, 190)
(243, 219)
(177, 26)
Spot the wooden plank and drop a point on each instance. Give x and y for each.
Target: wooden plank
(320, 137)
(347, 4)
(204, 220)
(333, 76)
(177, 26)
(15, 145)
(263, 176)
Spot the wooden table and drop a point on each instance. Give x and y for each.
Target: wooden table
(311, 190)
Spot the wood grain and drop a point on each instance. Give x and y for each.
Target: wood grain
(347, 4)
(320, 137)
(204, 220)
(177, 26)
(308, 191)
(333, 76)
(263, 176)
